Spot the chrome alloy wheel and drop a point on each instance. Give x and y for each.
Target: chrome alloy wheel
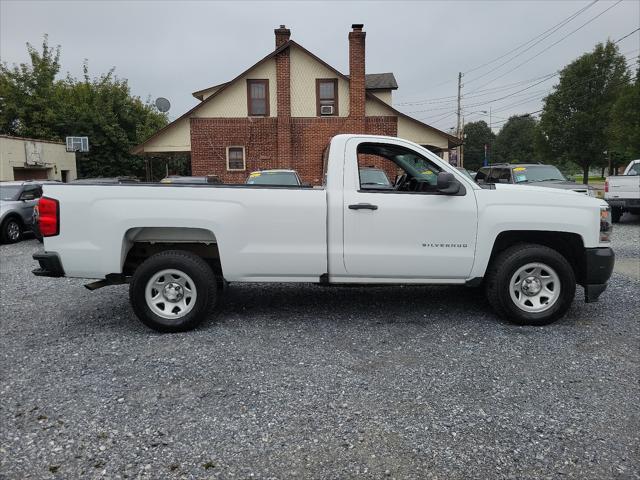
(13, 231)
(535, 287)
(170, 294)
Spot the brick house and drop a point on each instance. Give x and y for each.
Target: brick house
(282, 111)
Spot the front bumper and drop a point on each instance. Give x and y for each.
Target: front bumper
(598, 265)
(50, 265)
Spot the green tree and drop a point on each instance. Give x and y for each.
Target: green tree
(26, 93)
(477, 135)
(515, 140)
(624, 128)
(575, 117)
(36, 104)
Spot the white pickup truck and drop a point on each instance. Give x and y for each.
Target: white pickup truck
(622, 192)
(177, 245)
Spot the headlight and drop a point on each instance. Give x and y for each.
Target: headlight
(605, 224)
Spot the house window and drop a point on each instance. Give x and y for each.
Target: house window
(258, 98)
(327, 96)
(235, 158)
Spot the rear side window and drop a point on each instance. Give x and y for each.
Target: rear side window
(482, 174)
(500, 175)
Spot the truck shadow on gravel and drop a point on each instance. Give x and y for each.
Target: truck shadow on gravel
(242, 305)
(300, 303)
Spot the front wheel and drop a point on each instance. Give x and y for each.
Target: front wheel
(173, 291)
(530, 284)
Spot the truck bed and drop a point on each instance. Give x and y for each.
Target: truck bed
(264, 233)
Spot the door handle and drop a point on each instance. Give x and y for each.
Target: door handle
(363, 206)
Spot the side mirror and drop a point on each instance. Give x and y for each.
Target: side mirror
(447, 183)
(27, 196)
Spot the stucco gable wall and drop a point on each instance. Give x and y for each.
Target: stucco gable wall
(232, 101)
(176, 138)
(384, 95)
(210, 92)
(304, 72)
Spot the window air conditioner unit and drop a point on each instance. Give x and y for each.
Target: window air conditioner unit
(326, 110)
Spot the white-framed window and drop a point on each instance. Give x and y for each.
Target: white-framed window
(236, 159)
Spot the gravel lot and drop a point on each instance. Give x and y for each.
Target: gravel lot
(311, 382)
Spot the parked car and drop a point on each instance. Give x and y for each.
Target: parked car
(530, 174)
(435, 227)
(622, 192)
(279, 177)
(109, 180)
(17, 202)
(374, 177)
(206, 179)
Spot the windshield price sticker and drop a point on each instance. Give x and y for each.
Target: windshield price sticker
(521, 178)
(519, 169)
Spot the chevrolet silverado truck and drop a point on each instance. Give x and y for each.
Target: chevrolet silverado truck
(178, 245)
(622, 192)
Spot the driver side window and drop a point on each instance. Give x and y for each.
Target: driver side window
(392, 168)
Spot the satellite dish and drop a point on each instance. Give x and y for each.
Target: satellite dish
(162, 104)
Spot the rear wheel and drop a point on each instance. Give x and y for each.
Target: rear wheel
(530, 284)
(11, 231)
(616, 214)
(173, 291)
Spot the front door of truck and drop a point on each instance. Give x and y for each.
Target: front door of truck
(404, 229)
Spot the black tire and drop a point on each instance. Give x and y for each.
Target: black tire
(10, 227)
(504, 267)
(616, 214)
(194, 267)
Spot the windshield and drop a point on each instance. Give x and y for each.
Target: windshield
(9, 192)
(273, 178)
(537, 173)
(373, 176)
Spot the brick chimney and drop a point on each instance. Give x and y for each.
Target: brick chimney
(356, 72)
(283, 97)
(282, 35)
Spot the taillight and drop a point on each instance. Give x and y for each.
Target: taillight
(606, 185)
(49, 217)
(605, 224)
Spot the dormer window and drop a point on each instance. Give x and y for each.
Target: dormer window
(258, 98)
(327, 97)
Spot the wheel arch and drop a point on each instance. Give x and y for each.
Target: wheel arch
(13, 216)
(569, 245)
(141, 243)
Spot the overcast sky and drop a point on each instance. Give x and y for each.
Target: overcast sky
(172, 48)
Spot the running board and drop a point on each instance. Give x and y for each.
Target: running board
(110, 279)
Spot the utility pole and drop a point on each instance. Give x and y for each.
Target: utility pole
(459, 127)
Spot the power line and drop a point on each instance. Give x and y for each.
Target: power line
(488, 91)
(443, 116)
(555, 29)
(627, 35)
(547, 32)
(553, 44)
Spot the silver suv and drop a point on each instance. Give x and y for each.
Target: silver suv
(17, 200)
